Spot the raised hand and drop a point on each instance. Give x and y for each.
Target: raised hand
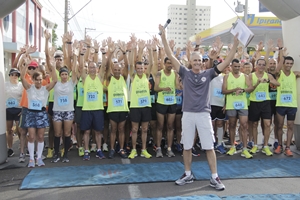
(198, 40)
(141, 44)
(133, 37)
(47, 35)
(279, 43)
(31, 49)
(96, 45)
(270, 46)
(157, 42)
(52, 51)
(88, 40)
(259, 46)
(122, 46)
(172, 44)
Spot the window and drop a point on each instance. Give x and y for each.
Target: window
(6, 22)
(30, 35)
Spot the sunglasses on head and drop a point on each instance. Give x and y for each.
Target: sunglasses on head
(31, 68)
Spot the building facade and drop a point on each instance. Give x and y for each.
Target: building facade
(24, 25)
(186, 21)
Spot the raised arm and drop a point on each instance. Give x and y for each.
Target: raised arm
(171, 56)
(230, 56)
(280, 57)
(23, 71)
(75, 51)
(16, 61)
(53, 75)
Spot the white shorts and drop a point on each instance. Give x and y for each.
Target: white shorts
(201, 121)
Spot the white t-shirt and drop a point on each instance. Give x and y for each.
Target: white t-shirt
(37, 98)
(216, 96)
(13, 94)
(63, 96)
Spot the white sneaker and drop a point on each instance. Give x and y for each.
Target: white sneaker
(105, 147)
(185, 179)
(216, 183)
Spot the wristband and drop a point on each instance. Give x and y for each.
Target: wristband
(154, 50)
(69, 42)
(280, 48)
(124, 53)
(96, 51)
(104, 53)
(82, 54)
(197, 45)
(88, 46)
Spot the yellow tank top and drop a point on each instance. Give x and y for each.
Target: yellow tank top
(79, 102)
(261, 92)
(165, 97)
(287, 91)
(117, 95)
(234, 102)
(93, 94)
(140, 93)
(51, 93)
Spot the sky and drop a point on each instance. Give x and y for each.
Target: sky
(119, 18)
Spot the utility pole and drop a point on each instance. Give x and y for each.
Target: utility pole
(66, 16)
(90, 29)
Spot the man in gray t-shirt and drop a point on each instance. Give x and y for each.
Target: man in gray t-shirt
(196, 109)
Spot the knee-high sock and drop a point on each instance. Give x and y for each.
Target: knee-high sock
(40, 148)
(67, 145)
(30, 147)
(56, 145)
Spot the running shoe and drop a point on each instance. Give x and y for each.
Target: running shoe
(100, 155)
(278, 150)
(275, 145)
(254, 149)
(178, 147)
(65, 160)
(231, 151)
(133, 154)
(239, 146)
(246, 154)
(93, 147)
(145, 154)
(105, 147)
(55, 159)
(86, 156)
(217, 184)
(250, 145)
(267, 151)
(184, 179)
(170, 153)
(80, 151)
(220, 148)
(10, 153)
(40, 162)
(111, 154)
(123, 154)
(50, 153)
(22, 158)
(195, 153)
(31, 164)
(288, 152)
(159, 153)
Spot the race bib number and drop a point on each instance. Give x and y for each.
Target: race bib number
(11, 103)
(118, 102)
(104, 98)
(238, 105)
(218, 93)
(169, 99)
(92, 96)
(143, 101)
(179, 100)
(152, 98)
(35, 105)
(63, 101)
(260, 96)
(273, 95)
(81, 92)
(286, 98)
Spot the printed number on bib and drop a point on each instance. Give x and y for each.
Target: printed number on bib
(63, 101)
(179, 100)
(11, 103)
(92, 96)
(260, 96)
(35, 105)
(143, 101)
(286, 98)
(169, 99)
(238, 105)
(273, 95)
(152, 98)
(118, 101)
(218, 93)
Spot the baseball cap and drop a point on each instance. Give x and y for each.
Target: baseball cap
(58, 53)
(114, 60)
(33, 64)
(14, 70)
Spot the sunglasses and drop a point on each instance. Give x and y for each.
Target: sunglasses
(31, 68)
(58, 60)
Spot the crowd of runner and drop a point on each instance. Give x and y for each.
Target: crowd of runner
(123, 98)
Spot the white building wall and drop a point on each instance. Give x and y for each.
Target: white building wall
(186, 21)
